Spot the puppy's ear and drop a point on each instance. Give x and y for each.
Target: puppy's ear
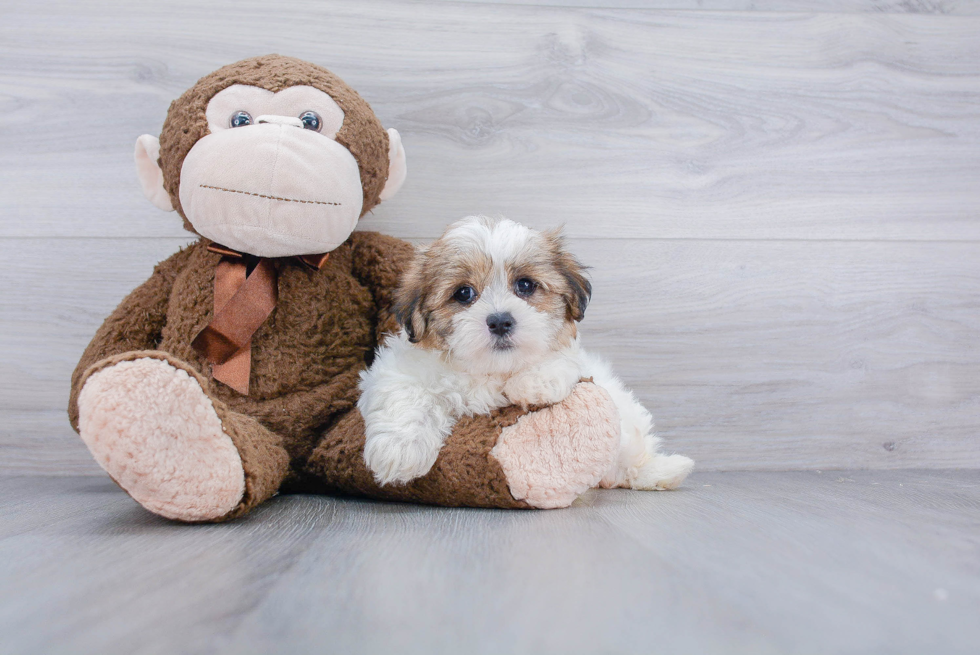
(409, 298)
(579, 290)
(409, 314)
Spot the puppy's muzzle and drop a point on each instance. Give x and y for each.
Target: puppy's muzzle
(501, 323)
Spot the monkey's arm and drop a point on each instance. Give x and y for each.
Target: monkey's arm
(510, 458)
(464, 475)
(378, 262)
(136, 324)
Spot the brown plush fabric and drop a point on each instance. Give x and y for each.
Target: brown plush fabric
(305, 357)
(464, 475)
(361, 133)
(305, 364)
(135, 324)
(265, 461)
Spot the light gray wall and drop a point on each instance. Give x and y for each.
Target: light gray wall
(780, 207)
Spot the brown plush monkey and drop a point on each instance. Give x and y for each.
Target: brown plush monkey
(231, 374)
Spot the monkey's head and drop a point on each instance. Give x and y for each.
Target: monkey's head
(272, 156)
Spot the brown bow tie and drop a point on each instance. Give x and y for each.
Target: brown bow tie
(242, 302)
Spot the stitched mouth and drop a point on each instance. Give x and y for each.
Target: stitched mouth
(260, 195)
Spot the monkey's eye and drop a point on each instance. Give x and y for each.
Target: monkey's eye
(240, 119)
(525, 286)
(311, 120)
(465, 295)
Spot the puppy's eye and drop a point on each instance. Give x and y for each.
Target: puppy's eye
(240, 119)
(465, 295)
(311, 120)
(525, 286)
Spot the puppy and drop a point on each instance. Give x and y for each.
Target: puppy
(489, 314)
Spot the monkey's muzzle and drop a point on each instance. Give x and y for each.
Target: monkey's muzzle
(272, 190)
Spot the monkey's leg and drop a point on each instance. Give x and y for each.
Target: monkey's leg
(149, 422)
(510, 459)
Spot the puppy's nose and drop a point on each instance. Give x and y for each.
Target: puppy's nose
(500, 324)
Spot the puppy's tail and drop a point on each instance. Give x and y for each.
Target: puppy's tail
(660, 472)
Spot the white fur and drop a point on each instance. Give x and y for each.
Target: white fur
(411, 397)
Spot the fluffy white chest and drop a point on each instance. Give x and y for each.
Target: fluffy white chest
(481, 394)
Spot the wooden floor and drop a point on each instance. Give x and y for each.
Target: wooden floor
(738, 562)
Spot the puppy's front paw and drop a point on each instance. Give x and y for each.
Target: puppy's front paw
(539, 388)
(397, 458)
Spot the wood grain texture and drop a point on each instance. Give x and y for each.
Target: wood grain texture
(943, 7)
(838, 562)
(780, 206)
(669, 124)
(752, 355)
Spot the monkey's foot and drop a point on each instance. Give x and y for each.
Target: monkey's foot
(553, 455)
(155, 431)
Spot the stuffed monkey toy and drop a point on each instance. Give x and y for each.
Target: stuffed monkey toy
(231, 374)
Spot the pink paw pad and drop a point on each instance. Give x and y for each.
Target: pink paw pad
(154, 430)
(552, 456)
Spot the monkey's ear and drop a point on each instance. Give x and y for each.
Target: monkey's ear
(148, 169)
(397, 167)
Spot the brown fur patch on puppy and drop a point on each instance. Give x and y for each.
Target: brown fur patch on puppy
(409, 297)
(424, 300)
(563, 289)
(577, 290)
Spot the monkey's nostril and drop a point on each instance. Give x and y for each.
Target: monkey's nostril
(501, 323)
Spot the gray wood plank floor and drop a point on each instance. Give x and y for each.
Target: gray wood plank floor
(737, 562)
